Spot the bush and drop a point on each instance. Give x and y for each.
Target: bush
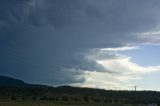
(64, 98)
(13, 98)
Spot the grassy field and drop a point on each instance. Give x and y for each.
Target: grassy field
(31, 103)
(45, 104)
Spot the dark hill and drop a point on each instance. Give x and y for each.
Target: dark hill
(11, 82)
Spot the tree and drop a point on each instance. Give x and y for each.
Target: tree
(86, 99)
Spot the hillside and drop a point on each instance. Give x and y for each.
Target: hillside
(11, 82)
(14, 89)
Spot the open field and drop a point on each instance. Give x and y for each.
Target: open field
(10, 103)
(72, 96)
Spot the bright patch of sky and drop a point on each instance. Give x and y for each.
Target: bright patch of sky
(147, 55)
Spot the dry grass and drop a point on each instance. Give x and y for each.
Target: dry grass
(31, 103)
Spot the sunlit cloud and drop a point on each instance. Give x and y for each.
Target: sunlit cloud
(119, 49)
(123, 71)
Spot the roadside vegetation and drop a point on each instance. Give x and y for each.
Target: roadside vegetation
(72, 96)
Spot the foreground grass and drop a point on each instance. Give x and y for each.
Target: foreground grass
(40, 103)
(44, 104)
(36, 103)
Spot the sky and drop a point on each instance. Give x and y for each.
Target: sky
(107, 44)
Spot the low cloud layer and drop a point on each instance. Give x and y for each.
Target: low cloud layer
(123, 70)
(53, 41)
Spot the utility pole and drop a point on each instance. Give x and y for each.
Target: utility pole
(135, 88)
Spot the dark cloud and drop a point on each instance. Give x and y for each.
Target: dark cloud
(49, 40)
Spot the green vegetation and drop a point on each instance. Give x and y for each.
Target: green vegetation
(66, 95)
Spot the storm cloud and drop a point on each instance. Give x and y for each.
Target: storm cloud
(49, 41)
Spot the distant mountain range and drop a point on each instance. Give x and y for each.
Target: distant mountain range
(12, 82)
(14, 87)
(8, 82)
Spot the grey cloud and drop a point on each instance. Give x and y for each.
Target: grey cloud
(41, 38)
